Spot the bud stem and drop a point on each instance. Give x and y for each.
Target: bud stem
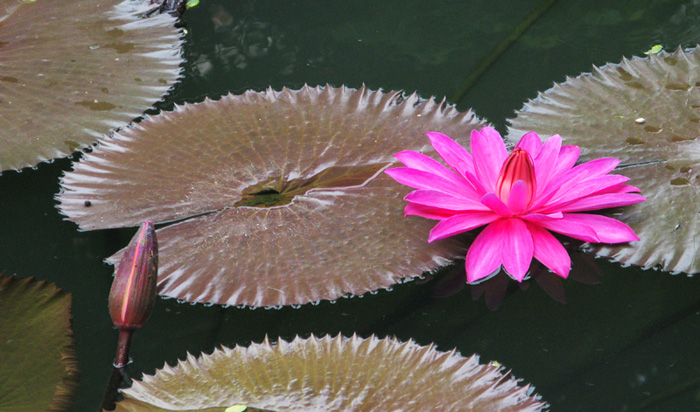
(119, 372)
(122, 358)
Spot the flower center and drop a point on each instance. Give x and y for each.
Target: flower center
(518, 166)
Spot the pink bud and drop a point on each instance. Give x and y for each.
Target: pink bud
(133, 292)
(518, 166)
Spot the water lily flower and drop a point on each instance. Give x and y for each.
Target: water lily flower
(520, 198)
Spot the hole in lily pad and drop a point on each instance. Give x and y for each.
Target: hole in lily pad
(278, 192)
(605, 109)
(264, 198)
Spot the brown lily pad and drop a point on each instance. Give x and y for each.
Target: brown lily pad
(38, 367)
(279, 196)
(73, 70)
(331, 374)
(646, 112)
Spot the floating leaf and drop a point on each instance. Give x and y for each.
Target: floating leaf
(331, 374)
(280, 195)
(38, 369)
(655, 49)
(74, 70)
(646, 112)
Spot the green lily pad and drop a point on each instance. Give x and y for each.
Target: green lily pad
(331, 374)
(646, 112)
(277, 198)
(38, 368)
(73, 70)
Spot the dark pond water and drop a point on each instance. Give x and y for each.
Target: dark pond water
(629, 343)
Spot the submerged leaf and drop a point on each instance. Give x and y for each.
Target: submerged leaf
(646, 112)
(73, 70)
(280, 195)
(38, 368)
(331, 374)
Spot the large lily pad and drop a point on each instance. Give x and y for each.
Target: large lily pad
(72, 70)
(331, 374)
(646, 112)
(38, 368)
(281, 195)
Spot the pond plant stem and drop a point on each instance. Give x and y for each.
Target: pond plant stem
(131, 301)
(500, 49)
(115, 381)
(122, 358)
(119, 371)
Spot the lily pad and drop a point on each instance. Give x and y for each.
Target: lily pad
(331, 374)
(646, 112)
(72, 70)
(279, 196)
(38, 367)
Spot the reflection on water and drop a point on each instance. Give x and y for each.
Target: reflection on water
(242, 40)
(499, 285)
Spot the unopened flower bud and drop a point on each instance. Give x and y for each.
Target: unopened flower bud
(133, 292)
(518, 166)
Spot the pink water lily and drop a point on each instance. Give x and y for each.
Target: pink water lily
(520, 198)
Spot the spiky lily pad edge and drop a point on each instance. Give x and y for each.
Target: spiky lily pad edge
(306, 361)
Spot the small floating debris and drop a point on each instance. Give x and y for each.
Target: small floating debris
(654, 50)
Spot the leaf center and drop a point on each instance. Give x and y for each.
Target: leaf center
(280, 191)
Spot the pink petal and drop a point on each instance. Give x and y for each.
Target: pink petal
(546, 160)
(489, 152)
(484, 255)
(583, 189)
(444, 201)
(568, 156)
(456, 156)
(517, 251)
(568, 180)
(538, 217)
(428, 212)
(627, 189)
(425, 163)
(568, 227)
(531, 142)
(621, 188)
(496, 205)
(603, 201)
(517, 201)
(475, 182)
(608, 230)
(594, 168)
(419, 179)
(461, 223)
(549, 251)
